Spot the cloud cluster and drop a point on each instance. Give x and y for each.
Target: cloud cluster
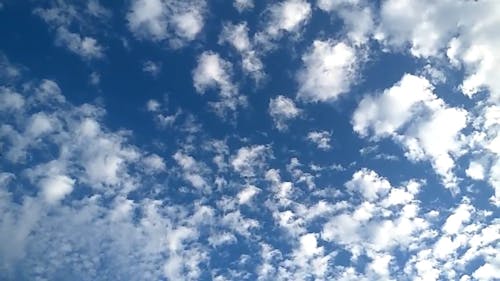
(178, 22)
(415, 117)
(212, 71)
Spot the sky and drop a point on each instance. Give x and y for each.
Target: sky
(250, 140)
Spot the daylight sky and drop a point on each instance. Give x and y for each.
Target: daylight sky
(250, 140)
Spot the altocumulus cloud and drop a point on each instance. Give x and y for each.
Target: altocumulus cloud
(245, 140)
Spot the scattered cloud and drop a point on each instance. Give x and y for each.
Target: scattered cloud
(178, 22)
(282, 109)
(329, 70)
(321, 139)
(214, 72)
(435, 135)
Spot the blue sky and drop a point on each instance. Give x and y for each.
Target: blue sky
(249, 140)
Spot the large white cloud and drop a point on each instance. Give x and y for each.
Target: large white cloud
(415, 117)
(463, 31)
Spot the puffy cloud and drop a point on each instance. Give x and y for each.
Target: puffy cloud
(386, 113)
(461, 30)
(147, 19)
(86, 47)
(63, 17)
(288, 15)
(193, 171)
(56, 187)
(237, 37)
(154, 163)
(321, 139)
(356, 15)
(435, 135)
(329, 70)
(475, 171)
(369, 184)
(157, 20)
(214, 72)
(245, 195)
(282, 109)
(249, 160)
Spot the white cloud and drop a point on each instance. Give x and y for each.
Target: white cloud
(147, 19)
(86, 47)
(156, 20)
(321, 139)
(462, 30)
(369, 184)
(435, 135)
(249, 160)
(247, 194)
(237, 37)
(356, 15)
(154, 163)
(63, 17)
(214, 72)
(288, 15)
(56, 187)
(193, 172)
(282, 109)
(243, 5)
(10, 101)
(329, 70)
(455, 221)
(475, 171)
(384, 114)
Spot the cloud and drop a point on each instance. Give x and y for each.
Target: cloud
(237, 37)
(249, 160)
(151, 68)
(8, 70)
(282, 109)
(85, 47)
(357, 17)
(460, 30)
(245, 195)
(56, 187)
(243, 5)
(214, 72)
(369, 184)
(289, 16)
(321, 139)
(382, 115)
(63, 17)
(193, 172)
(10, 101)
(329, 70)
(161, 115)
(179, 22)
(435, 135)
